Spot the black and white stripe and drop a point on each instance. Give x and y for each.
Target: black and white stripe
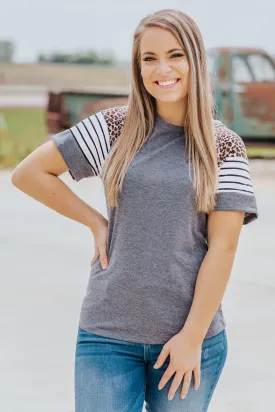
(234, 176)
(92, 137)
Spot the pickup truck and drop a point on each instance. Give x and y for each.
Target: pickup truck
(243, 81)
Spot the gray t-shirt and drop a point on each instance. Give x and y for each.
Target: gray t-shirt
(156, 239)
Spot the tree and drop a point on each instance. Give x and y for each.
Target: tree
(7, 49)
(88, 57)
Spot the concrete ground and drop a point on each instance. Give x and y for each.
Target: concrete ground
(45, 262)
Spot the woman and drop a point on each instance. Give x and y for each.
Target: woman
(178, 191)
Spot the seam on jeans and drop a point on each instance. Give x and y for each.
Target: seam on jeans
(145, 383)
(215, 380)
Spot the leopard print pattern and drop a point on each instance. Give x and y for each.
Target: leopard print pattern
(115, 118)
(228, 143)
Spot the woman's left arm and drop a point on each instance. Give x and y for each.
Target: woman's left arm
(223, 234)
(235, 206)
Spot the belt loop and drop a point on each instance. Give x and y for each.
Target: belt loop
(146, 350)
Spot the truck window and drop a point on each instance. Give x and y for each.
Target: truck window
(262, 68)
(240, 70)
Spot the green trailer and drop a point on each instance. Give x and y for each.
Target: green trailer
(69, 106)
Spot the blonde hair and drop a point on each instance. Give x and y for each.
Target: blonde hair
(139, 121)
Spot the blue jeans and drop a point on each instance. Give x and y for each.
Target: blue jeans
(113, 375)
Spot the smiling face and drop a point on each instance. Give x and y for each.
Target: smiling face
(164, 66)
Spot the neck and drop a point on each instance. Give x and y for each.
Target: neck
(173, 113)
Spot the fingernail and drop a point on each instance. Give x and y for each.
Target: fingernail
(155, 366)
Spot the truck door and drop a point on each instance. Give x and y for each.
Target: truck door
(253, 94)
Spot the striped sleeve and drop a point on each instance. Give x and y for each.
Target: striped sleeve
(84, 146)
(235, 188)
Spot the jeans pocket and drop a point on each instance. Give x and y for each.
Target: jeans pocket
(213, 349)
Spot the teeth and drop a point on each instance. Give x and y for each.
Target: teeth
(167, 83)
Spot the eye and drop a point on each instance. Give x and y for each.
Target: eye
(148, 59)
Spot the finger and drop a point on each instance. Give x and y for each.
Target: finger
(94, 259)
(96, 254)
(175, 384)
(162, 357)
(166, 376)
(186, 384)
(197, 376)
(103, 258)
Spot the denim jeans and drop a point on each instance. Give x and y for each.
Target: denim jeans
(113, 375)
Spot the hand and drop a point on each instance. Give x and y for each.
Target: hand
(185, 358)
(100, 232)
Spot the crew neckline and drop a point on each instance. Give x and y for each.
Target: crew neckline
(160, 122)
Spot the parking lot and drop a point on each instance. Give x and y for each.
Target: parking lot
(45, 262)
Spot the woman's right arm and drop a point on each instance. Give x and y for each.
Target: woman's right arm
(37, 176)
(81, 150)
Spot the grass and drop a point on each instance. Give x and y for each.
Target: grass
(261, 152)
(21, 131)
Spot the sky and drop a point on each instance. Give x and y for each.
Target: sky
(102, 25)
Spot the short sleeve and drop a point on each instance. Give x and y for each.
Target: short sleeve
(85, 146)
(235, 188)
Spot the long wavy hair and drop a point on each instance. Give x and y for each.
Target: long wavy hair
(139, 121)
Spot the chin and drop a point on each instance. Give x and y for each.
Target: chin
(167, 99)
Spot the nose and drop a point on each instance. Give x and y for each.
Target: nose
(163, 67)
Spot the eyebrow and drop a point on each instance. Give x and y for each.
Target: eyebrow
(169, 51)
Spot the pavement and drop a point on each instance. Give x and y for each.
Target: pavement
(45, 260)
(23, 96)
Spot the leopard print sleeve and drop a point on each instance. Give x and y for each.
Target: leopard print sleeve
(235, 189)
(114, 118)
(228, 143)
(85, 146)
